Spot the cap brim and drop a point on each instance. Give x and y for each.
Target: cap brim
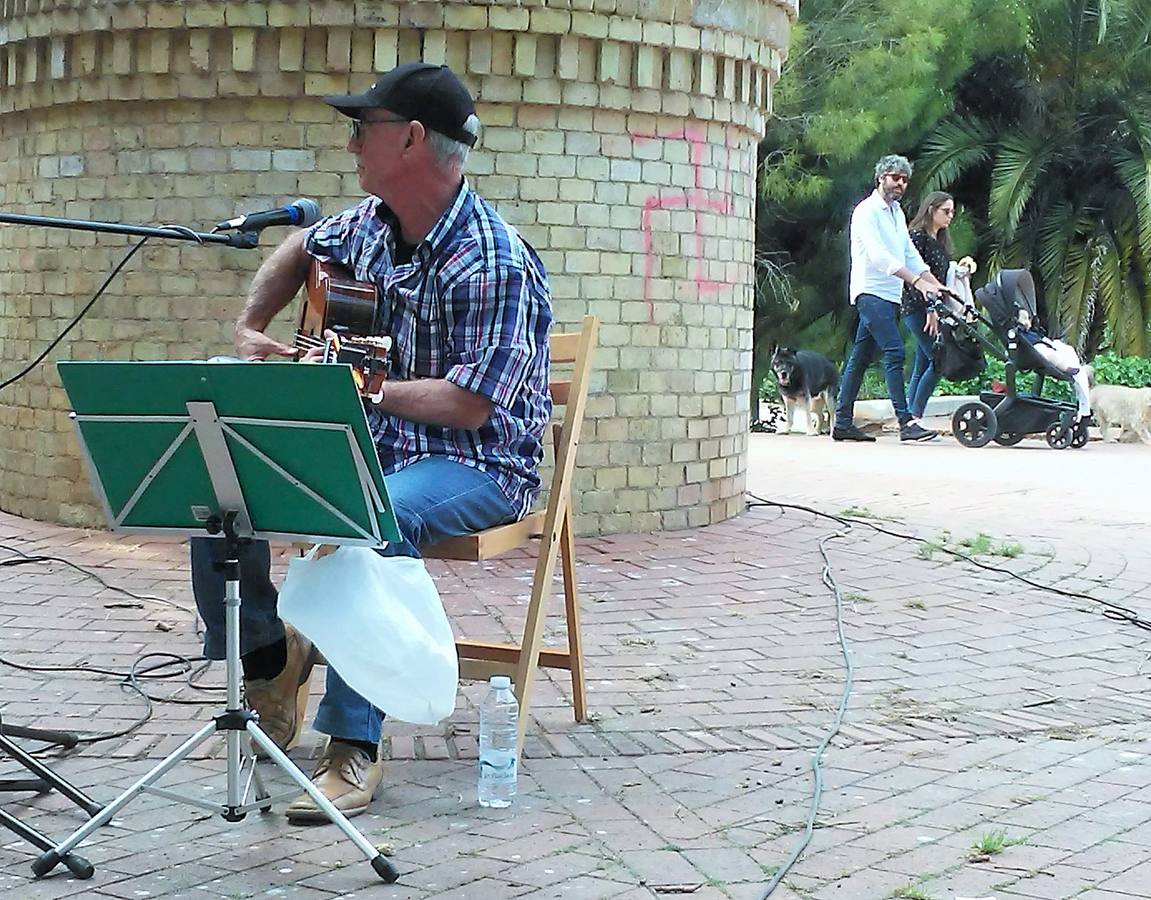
(351, 105)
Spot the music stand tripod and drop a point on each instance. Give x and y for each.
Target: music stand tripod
(45, 780)
(231, 450)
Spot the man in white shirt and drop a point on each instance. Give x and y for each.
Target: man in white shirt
(882, 259)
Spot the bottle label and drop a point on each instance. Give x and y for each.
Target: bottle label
(498, 766)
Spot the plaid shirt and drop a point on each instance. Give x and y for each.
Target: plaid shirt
(472, 306)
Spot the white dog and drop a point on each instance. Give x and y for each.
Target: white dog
(1115, 406)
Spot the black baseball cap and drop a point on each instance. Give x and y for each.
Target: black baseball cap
(432, 94)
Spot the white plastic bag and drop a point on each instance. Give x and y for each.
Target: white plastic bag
(381, 625)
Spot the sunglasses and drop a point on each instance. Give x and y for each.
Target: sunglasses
(360, 126)
(897, 176)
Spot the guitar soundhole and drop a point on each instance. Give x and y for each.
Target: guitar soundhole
(351, 313)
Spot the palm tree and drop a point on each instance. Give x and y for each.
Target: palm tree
(1055, 150)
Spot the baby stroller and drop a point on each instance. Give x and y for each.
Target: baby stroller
(1006, 417)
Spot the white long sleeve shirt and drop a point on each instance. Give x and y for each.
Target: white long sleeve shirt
(880, 247)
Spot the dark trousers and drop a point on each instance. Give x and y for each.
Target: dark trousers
(878, 331)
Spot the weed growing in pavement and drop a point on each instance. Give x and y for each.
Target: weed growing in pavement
(991, 843)
(911, 891)
(978, 545)
(857, 512)
(915, 604)
(981, 544)
(1072, 732)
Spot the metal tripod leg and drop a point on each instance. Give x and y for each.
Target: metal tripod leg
(77, 865)
(235, 722)
(46, 862)
(379, 862)
(45, 778)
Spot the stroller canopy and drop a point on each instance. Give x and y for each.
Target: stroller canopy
(1010, 291)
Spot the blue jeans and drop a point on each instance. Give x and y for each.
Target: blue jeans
(878, 330)
(923, 377)
(433, 499)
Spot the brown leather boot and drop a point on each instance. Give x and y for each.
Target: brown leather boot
(346, 775)
(282, 702)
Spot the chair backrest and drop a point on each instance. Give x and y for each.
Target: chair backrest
(575, 348)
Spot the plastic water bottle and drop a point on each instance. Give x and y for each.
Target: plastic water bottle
(499, 728)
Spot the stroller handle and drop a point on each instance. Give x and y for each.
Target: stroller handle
(949, 305)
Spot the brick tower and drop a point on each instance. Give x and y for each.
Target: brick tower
(619, 137)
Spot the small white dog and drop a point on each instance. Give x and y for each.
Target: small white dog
(1115, 406)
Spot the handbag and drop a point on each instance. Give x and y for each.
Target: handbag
(956, 356)
(380, 624)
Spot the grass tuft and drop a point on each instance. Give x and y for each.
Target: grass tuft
(992, 843)
(978, 545)
(910, 892)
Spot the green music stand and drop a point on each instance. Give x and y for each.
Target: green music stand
(240, 451)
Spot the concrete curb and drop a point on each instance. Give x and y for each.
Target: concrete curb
(881, 411)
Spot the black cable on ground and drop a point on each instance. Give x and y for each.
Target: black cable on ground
(26, 558)
(848, 682)
(189, 667)
(131, 681)
(1111, 610)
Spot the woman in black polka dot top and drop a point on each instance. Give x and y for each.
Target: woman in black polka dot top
(929, 234)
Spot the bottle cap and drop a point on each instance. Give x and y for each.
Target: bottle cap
(500, 682)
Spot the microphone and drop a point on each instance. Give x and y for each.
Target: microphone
(299, 212)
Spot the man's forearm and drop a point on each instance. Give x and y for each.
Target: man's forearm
(925, 278)
(435, 401)
(276, 282)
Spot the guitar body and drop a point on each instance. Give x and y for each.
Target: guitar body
(335, 301)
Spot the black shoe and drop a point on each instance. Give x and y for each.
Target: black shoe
(913, 432)
(850, 433)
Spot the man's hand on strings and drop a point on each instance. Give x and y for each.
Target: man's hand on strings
(316, 354)
(252, 344)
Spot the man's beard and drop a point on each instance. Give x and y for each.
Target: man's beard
(891, 194)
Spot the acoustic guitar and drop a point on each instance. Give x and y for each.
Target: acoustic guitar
(335, 301)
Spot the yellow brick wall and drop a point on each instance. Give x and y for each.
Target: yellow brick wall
(619, 137)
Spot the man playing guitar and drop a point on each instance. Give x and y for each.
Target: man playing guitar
(460, 420)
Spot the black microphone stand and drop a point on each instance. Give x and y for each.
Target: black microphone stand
(45, 779)
(242, 240)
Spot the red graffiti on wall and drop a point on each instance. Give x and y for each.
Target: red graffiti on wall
(697, 200)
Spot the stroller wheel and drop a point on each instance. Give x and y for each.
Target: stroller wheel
(1059, 436)
(974, 424)
(1008, 438)
(1079, 435)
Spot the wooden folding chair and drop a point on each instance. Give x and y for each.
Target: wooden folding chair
(553, 527)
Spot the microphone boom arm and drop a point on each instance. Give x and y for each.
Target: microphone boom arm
(242, 240)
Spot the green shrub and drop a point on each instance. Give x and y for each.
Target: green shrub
(1133, 371)
(1053, 389)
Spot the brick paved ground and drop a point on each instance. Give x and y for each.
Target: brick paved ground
(980, 705)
